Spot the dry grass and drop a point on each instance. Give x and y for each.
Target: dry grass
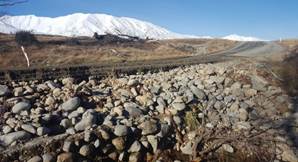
(59, 51)
(288, 72)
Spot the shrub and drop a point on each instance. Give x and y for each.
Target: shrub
(72, 42)
(25, 38)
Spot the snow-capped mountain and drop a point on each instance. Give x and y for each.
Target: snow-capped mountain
(80, 24)
(85, 25)
(235, 37)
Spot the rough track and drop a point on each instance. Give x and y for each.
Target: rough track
(242, 49)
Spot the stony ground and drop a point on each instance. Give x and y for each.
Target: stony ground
(229, 111)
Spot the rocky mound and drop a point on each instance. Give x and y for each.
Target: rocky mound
(208, 112)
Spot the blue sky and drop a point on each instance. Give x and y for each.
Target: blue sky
(267, 19)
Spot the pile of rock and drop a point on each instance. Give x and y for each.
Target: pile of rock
(133, 117)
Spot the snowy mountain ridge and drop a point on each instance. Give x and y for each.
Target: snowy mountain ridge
(80, 24)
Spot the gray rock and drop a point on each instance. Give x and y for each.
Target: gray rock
(189, 95)
(244, 105)
(132, 82)
(113, 156)
(68, 146)
(179, 106)
(89, 136)
(18, 91)
(6, 129)
(97, 143)
(243, 114)
(124, 93)
(121, 130)
(48, 157)
(74, 114)
(29, 128)
(66, 81)
(43, 131)
(71, 104)
(155, 89)
(105, 135)
(86, 150)
(289, 156)
(187, 148)
(7, 139)
(135, 147)
(177, 120)
(122, 156)
(200, 94)
(148, 127)
(228, 148)
(71, 131)
(57, 92)
(88, 120)
(218, 105)
(161, 102)
(35, 159)
(21, 106)
(164, 130)
(259, 83)
(242, 126)
(236, 86)
(134, 157)
(119, 143)
(52, 85)
(66, 157)
(4, 90)
(153, 142)
(50, 101)
(133, 110)
(66, 123)
(250, 92)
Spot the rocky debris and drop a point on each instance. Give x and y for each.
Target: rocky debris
(148, 127)
(131, 118)
(119, 143)
(71, 104)
(29, 128)
(35, 159)
(135, 147)
(21, 106)
(228, 148)
(133, 110)
(86, 150)
(89, 118)
(121, 130)
(65, 157)
(4, 90)
(48, 157)
(7, 139)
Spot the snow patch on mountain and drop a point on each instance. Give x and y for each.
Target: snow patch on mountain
(235, 37)
(80, 24)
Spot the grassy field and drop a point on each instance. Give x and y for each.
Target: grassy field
(57, 50)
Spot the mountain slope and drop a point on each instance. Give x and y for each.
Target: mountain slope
(85, 25)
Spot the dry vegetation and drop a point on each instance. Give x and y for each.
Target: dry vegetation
(288, 72)
(57, 50)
